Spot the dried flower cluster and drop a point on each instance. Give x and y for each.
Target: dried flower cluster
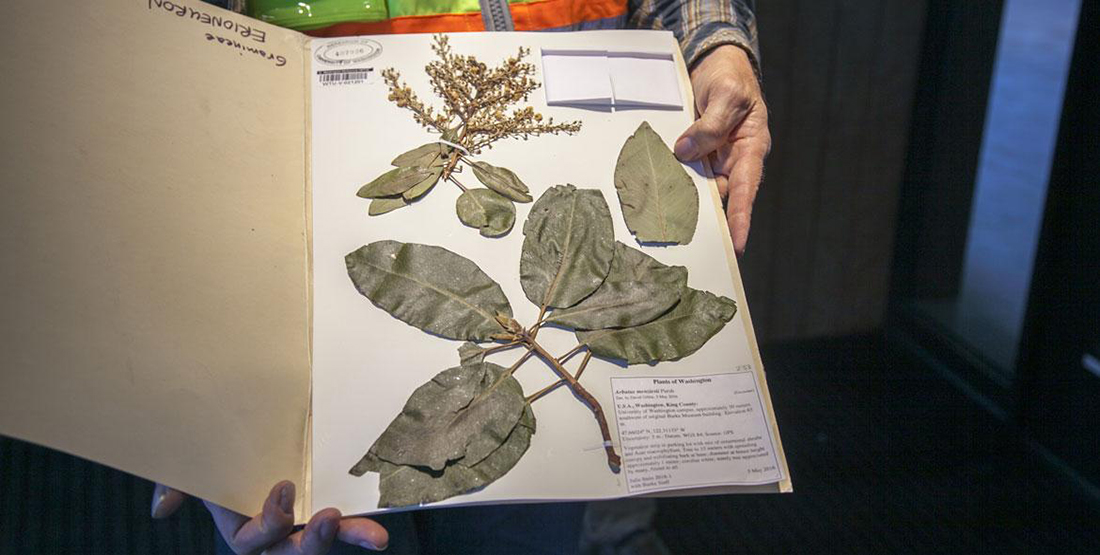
(478, 110)
(476, 99)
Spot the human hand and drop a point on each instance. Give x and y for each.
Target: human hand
(733, 126)
(272, 531)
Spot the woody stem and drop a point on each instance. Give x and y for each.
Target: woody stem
(542, 392)
(515, 366)
(613, 459)
(453, 162)
(534, 330)
(501, 347)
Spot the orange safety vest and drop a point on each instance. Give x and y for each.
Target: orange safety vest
(436, 16)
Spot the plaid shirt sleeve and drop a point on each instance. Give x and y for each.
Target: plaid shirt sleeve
(701, 25)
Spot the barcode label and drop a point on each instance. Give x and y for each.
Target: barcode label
(344, 76)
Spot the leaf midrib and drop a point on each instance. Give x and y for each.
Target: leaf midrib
(443, 292)
(656, 186)
(565, 252)
(656, 322)
(555, 316)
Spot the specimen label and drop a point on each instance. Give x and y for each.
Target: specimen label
(681, 432)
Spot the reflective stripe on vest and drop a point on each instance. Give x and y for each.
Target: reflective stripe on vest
(437, 16)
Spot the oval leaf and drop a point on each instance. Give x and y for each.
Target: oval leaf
(486, 210)
(401, 486)
(687, 327)
(394, 182)
(418, 190)
(422, 156)
(380, 206)
(501, 180)
(659, 200)
(637, 290)
(568, 246)
(471, 353)
(429, 287)
(465, 412)
(633, 264)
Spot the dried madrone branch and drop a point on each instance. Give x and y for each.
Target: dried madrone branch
(477, 112)
(470, 424)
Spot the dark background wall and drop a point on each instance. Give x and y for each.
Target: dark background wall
(839, 77)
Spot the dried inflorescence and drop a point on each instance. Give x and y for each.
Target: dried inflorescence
(478, 110)
(476, 99)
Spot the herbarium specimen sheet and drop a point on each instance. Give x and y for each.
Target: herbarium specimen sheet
(699, 420)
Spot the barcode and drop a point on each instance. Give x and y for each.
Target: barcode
(344, 76)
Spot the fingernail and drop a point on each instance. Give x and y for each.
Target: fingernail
(686, 148)
(158, 499)
(286, 499)
(372, 547)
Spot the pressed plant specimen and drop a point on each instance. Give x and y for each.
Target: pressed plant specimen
(470, 424)
(479, 108)
(659, 200)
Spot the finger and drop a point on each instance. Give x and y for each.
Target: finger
(720, 175)
(274, 523)
(363, 532)
(723, 187)
(744, 182)
(315, 539)
(723, 160)
(712, 129)
(166, 501)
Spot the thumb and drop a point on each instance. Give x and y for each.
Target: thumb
(166, 501)
(709, 132)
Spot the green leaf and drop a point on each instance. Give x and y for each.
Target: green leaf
(424, 186)
(698, 316)
(465, 412)
(471, 353)
(501, 180)
(486, 210)
(401, 486)
(637, 290)
(423, 156)
(659, 200)
(568, 246)
(633, 264)
(383, 205)
(430, 288)
(394, 182)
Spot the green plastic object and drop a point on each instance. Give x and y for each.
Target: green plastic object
(304, 15)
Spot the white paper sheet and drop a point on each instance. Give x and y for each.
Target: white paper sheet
(644, 79)
(611, 78)
(366, 363)
(577, 77)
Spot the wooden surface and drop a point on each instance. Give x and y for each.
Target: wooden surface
(839, 76)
